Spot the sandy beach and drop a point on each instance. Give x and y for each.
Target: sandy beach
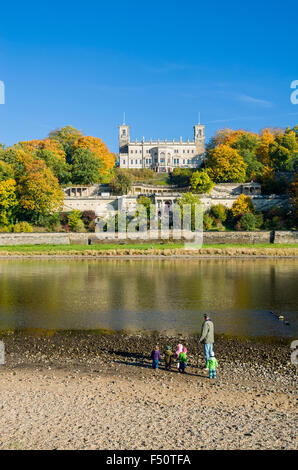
(87, 391)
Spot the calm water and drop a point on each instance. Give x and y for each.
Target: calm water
(158, 295)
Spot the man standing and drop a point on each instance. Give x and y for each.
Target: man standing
(207, 338)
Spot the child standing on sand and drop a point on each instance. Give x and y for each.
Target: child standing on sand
(182, 360)
(155, 356)
(178, 351)
(212, 365)
(168, 358)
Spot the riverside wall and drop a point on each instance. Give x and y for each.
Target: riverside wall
(249, 238)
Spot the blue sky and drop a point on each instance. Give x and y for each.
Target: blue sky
(162, 62)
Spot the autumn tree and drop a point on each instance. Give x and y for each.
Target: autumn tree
(100, 151)
(226, 165)
(243, 205)
(267, 137)
(66, 136)
(283, 151)
(6, 171)
(59, 167)
(8, 201)
(38, 189)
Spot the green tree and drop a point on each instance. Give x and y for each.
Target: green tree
(219, 211)
(121, 183)
(67, 136)
(201, 182)
(194, 201)
(74, 218)
(283, 151)
(85, 167)
(60, 168)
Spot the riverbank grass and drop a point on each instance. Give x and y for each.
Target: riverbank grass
(147, 249)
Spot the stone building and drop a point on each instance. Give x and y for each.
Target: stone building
(161, 155)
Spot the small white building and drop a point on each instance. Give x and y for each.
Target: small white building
(161, 155)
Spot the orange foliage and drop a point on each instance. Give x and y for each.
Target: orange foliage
(52, 145)
(267, 137)
(99, 149)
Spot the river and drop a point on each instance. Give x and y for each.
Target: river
(151, 294)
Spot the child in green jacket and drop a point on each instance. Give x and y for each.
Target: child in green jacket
(182, 360)
(212, 365)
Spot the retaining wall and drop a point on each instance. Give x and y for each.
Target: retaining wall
(278, 237)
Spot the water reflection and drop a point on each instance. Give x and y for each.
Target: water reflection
(150, 294)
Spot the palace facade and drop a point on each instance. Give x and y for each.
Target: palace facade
(161, 155)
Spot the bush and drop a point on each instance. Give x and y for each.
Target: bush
(208, 222)
(22, 227)
(219, 212)
(248, 222)
(5, 228)
(276, 223)
(50, 221)
(218, 225)
(79, 227)
(121, 183)
(91, 226)
(73, 219)
(88, 217)
(181, 176)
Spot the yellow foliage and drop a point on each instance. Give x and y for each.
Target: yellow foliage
(243, 205)
(226, 165)
(38, 188)
(52, 145)
(8, 199)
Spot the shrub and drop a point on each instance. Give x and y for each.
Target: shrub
(219, 226)
(24, 227)
(79, 227)
(121, 183)
(5, 228)
(248, 222)
(50, 221)
(73, 219)
(91, 226)
(276, 223)
(208, 222)
(88, 217)
(219, 212)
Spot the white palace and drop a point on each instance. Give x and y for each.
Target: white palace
(161, 155)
